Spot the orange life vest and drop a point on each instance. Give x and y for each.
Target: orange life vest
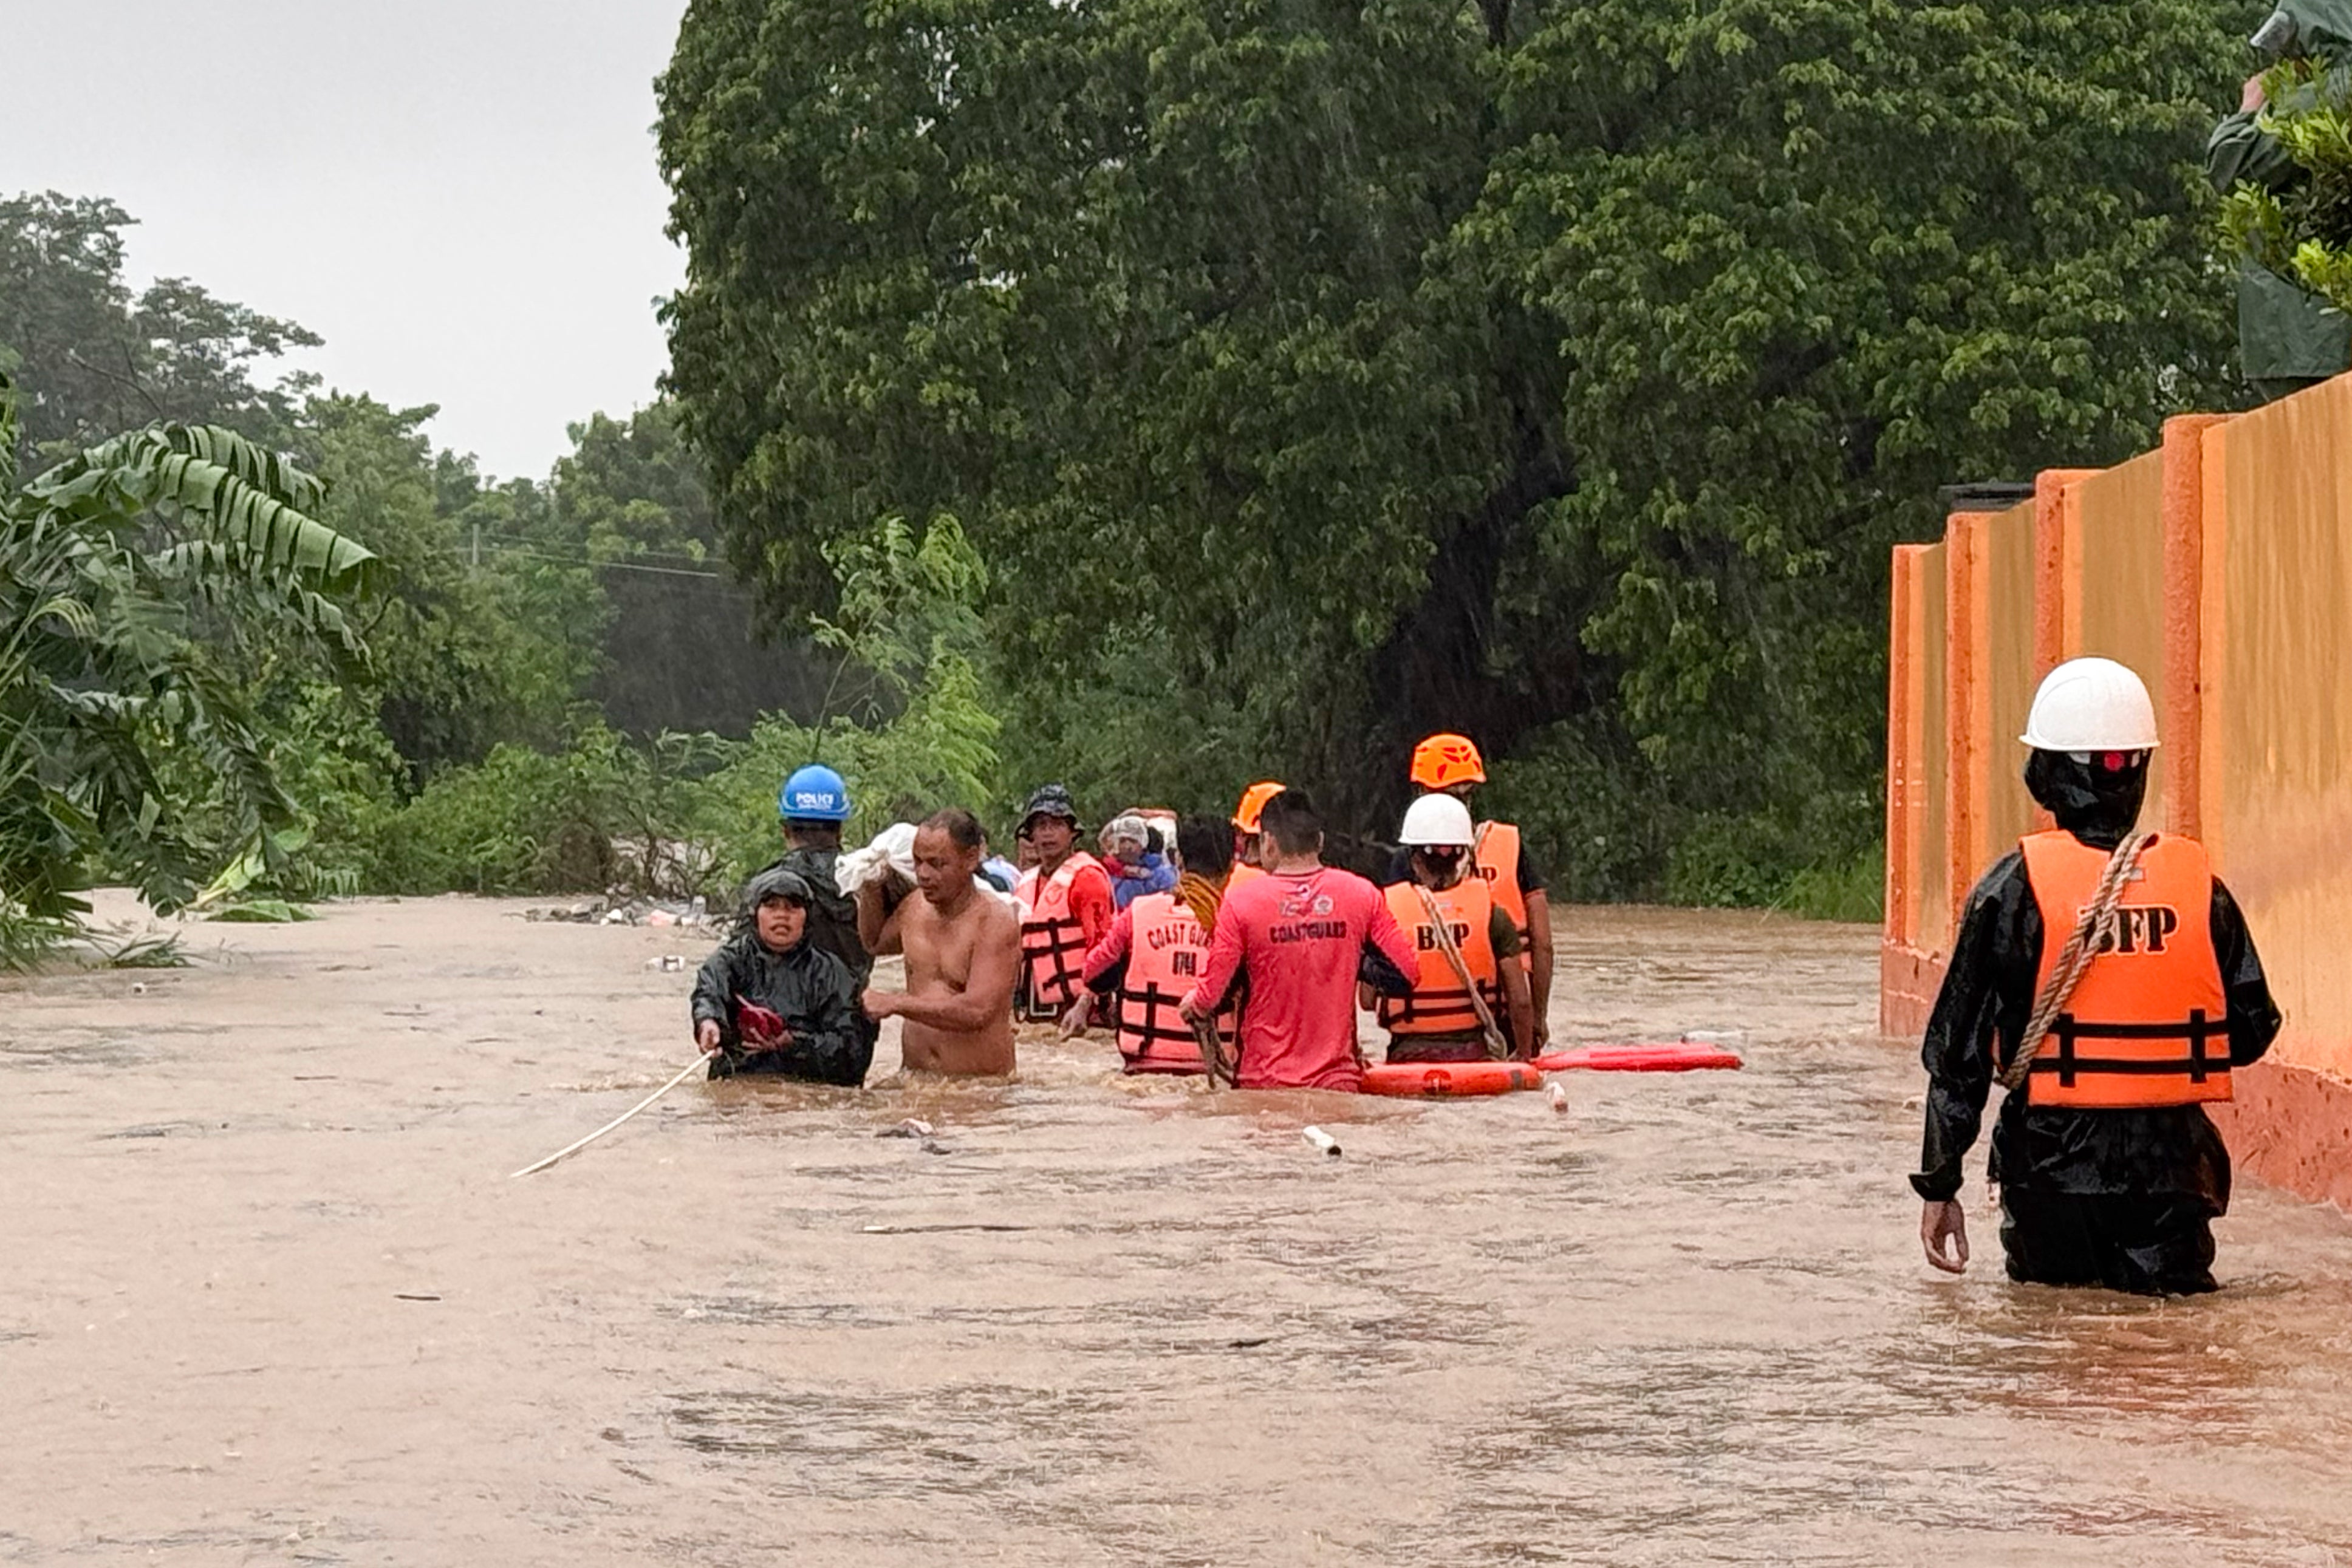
(1053, 943)
(1243, 872)
(1439, 1003)
(1166, 956)
(1494, 855)
(2148, 1025)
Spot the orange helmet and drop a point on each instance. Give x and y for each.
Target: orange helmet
(1444, 760)
(1254, 800)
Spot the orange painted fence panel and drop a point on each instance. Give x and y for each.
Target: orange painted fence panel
(2006, 676)
(2277, 765)
(2115, 573)
(2219, 568)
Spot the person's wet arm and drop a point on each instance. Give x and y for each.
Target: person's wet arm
(714, 991)
(1092, 905)
(1223, 967)
(2253, 1014)
(1387, 963)
(2239, 151)
(1535, 891)
(1987, 993)
(1518, 996)
(877, 918)
(1106, 965)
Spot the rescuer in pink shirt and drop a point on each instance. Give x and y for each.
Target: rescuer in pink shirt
(1304, 935)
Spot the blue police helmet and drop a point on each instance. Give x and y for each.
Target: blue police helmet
(813, 794)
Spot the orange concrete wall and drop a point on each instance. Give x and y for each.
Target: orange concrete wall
(2219, 567)
(2278, 764)
(2115, 571)
(1932, 890)
(2008, 675)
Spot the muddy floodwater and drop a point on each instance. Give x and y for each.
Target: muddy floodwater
(271, 1297)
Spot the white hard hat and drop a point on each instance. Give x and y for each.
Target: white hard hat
(2091, 705)
(1436, 822)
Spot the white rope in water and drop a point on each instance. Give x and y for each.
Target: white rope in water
(570, 1149)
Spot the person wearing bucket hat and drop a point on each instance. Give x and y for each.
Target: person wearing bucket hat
(769, 1000)
(2110, 1174)
(1066, 906)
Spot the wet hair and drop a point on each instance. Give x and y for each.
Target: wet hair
(1294, 824)
(961, 826)
(1205, 845)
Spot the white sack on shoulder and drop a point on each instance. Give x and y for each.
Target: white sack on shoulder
(893, 849)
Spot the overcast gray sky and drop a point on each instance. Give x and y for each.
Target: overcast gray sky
(460, 197)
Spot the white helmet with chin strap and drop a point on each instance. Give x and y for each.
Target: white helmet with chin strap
(1437, 822)
(2091, 705)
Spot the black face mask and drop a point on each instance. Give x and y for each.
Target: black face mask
(2093, 803)
(1442, 862)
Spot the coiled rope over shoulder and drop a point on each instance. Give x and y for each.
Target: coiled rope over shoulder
(2096, 918)
(1498, 1045)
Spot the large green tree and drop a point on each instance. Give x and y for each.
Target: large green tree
(487, 628)
(92, 357)
(1316, 375)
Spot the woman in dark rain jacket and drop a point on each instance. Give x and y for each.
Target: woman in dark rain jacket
(769, 1000)
(2110, 1173)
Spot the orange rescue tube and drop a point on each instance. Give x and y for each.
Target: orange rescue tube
(1678, 1056)
(1450, 1080)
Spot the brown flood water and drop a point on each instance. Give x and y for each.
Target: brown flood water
(1684, 1323)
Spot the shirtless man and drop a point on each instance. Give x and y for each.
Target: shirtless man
(963, 948)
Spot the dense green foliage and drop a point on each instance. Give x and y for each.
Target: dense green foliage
(1155, 395)
(697, 814)
(131, 576)
(94, 359)
(1314, 376)
(527, 642)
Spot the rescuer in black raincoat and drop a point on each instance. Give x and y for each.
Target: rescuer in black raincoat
(771, 1000)
(2120, 1198)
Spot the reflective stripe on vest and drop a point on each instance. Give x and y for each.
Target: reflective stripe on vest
(1167, 953)
(1438, 1004)
(2148, 1025)
(1495, 857)
(1053, 943)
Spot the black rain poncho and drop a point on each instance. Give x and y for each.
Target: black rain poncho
(811, 989)
(1988, 994)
